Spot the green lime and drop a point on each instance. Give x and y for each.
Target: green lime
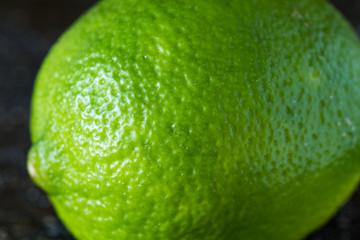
(207, 119)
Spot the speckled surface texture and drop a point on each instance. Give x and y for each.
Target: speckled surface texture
(27, 30)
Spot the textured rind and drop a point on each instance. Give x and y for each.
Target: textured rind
(199, 119)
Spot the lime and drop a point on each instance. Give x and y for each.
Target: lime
(207, 119)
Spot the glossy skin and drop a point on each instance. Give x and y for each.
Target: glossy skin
(199, 120)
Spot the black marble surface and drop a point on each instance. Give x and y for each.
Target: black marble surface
(28, 28)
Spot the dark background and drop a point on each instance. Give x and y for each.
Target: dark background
(28, 28)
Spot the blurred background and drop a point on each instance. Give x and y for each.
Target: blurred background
(28, 28)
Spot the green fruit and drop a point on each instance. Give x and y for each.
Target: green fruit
(206, 119)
